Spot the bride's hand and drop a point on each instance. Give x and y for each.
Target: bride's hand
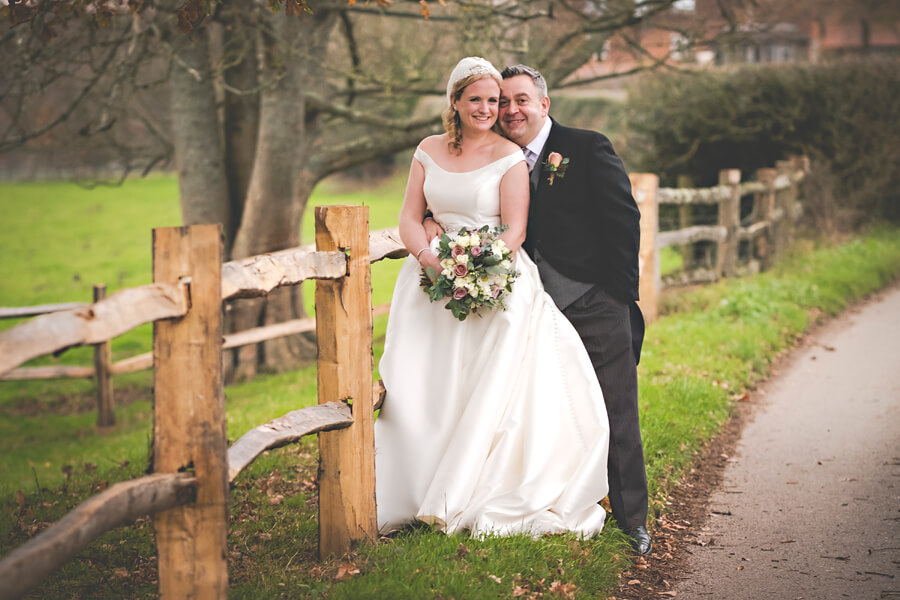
(428, 259)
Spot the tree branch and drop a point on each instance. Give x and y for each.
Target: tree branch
(363, 150)
(315, 102)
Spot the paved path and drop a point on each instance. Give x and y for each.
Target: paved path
(809, 507)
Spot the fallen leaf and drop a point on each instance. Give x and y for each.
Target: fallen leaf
(276, 499)
(20, 499)
(634, 582)
(346, 571)
(563, 590)
(519, 591)
(740, 568)
(494, 578)
(121, 572)
(462, 550)
(671, 594)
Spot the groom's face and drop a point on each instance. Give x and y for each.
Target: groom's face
(522, 109)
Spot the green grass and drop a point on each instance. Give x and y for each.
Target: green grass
(59, 240)
(713, 343)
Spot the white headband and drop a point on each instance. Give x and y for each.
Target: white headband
(471, 65)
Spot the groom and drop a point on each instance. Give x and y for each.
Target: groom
(584, 236)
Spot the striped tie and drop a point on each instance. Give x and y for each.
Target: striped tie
(530, 158)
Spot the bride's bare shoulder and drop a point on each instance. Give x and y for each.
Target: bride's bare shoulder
(433, 144)
(504, 147)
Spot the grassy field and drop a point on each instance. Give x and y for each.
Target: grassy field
(58, 239)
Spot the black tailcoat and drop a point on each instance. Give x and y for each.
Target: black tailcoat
(586, 223)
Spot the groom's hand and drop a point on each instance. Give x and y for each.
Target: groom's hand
(432, 229)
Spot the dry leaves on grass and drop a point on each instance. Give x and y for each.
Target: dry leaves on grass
(563, 590)
(346, 571)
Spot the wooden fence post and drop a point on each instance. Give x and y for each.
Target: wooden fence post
(344, 331)
(785, 200)
(644, 186)
(765, 207)
(106, 409)
(730, 219)
(189, 415)
(685, 220)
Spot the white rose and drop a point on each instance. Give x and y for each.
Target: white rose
(505, 263)
(463, 241)
(448, 264)
(474, 240)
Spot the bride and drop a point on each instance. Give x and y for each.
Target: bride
(496, 424)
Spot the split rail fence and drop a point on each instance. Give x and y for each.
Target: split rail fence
(188, 492)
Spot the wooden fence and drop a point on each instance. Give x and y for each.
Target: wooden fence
(746, 237)
(188, 492)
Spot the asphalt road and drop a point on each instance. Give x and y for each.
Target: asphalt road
(809, 507)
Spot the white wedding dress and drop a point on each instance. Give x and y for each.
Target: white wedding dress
(495, 424)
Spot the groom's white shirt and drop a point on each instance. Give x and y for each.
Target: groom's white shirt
(536, 146)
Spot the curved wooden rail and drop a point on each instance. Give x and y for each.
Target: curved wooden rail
(386, 243)
(26, 566)
(259, 275)
(32, 311)
(92, 323)
(689, 235)
(286, 430)
(291, 427)
(50, 372)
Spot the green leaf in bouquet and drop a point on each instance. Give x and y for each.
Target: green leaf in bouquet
(431, 273)
(498, 270)
(490, 260)
(444, 244)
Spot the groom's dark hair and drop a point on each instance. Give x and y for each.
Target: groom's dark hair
(536, 77)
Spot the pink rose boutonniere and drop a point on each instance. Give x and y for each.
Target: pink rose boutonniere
(556, 166)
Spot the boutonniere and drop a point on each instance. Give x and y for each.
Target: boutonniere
(556, 166)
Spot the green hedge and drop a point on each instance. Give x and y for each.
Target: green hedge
(845, 116)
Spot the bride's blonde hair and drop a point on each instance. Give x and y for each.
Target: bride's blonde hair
(452, 122)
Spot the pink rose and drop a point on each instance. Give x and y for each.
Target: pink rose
(475, 251)
(457, 250)
(554, 158)
(495, 292)
(460, 270)
(460, 293)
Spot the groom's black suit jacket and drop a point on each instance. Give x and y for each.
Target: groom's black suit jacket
(586, 224)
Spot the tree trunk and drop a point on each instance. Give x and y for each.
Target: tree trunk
(195, 132)
(240, 129)
(241, 109)
(281, 180)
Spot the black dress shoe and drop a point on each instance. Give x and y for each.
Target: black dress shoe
(639, 540)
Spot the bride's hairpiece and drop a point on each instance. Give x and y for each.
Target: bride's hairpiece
(471, 65)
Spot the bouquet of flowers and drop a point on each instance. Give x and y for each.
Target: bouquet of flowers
(476, 270)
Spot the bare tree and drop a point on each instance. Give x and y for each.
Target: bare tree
(262, 100)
